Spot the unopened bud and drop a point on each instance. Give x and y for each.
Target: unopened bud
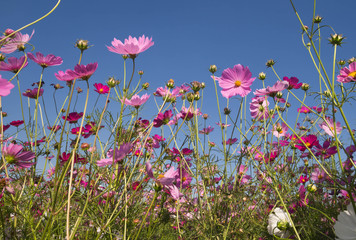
(196, 86)
(279, 95)
(336, 39)
(140, 73)
(202, 85)
(2, 57)
(82, 44)
(170, 83)
(112, 82)
(262, 76)
(8, 32)
(342, 62)
(317, 19)
(270, 63)
(288, 104)
(213, 69)
(327, 93)
(205, 116)
(305, 86)
(125, 56)
(351, 60)
(85, 146)
(145, 85)
(312, 188)
(196, 96)
(190, 97)
(4, 114)
(227, 111)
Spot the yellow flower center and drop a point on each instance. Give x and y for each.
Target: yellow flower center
(101, 90)
(237, 83)
(160, 176)
(184, 178)
(351, 74)
(308, 144)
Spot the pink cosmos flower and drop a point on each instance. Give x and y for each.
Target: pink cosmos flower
(310, 141)
(318, 175)
(32, 93)
(347, 74)
(328, 127)
(166, 179)
(280, 130)
(65, 76)
(303, 109)
(162, 118)
(235, 81)
(14, 154)
(45, 61)
(101, 88)
(13, 65)
(188, 113)
(83, 71)
(136, 101)
(231, 141)
(120, 154)
(326, 151)
(73, 117)
(207, 130)
(259, 108)
(293, 82)
(272, 91)
(16, 123)
(15, 42)
(131, 46)
(223, 125)
(303, 179)
(5, 87)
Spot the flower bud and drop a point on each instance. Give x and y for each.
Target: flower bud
(85, 146)
(157, 187)
(8, 32)
(63, 110)
(145, 85)
(213, 69)
(351, 60)
(327, 93)
(211, 144)
(202, 85)
(305, 86)
(2, 57)
(195, 86)
(82, 44)
(190, 97)
(305, 28)
(4, 114)
(79, 90)
(205, 116)
(342, 62)
(317, 19)
(336, 39)
(312, 188)
(279, 95)
(262, 76)
(125, 56)
(227, 111)
(196, 96)
(170, 83)
(288, 104)
(140, 73)
(112, 82)
(270, 63)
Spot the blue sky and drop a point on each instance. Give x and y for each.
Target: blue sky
(189, 36)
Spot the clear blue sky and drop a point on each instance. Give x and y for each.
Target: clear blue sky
(189, 36)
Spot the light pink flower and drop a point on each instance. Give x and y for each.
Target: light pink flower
(5, 87)
(348, 74)
(120, 154)
(328, 127)
(136, 101)
(17, 42)
(131, 46)
(45, 61)
(65, 76)
(235, 81)
(259, 108)
(280, 130)
(166, 179)
(14, 154)
(272, 91)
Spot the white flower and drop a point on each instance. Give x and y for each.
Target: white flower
(345, 226)
(278, 223)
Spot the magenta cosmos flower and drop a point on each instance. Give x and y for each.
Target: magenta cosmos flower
(101, 88)
(45, 61)
(131, 46)
(73, 117)
(166, 179)
(235, 81)
(5, 87)
(14, 154)
(13, 64)
(348, 74)
(84, 71)
(162, 118)
(293, 82)
(328, 127)
(15, 42)
(33, 93)
(136, 101)
(120, 154)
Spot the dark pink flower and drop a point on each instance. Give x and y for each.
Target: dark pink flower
(136, 101)
(188, 113)
(13, 64)
(235, 81)
(54, 128)
(101, 88)
(120, 154)
(5, 127)
(293, 82)
(14, 154)
(16, 123)
(303, 109)
(15, 42)
(231, 141)
(5, 87)
(90, 129)
(347, 74)
(45, 61)
(33, 93)
(73, 117)
(310, 141)
(83, 71)
(162, 118)
(207, 130)
(131, 46)
(303, 179)
(326, 151)
(77, 130)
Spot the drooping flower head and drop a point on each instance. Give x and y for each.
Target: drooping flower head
(162, 118)
(13, 64)
(136, 101)
(348, 74)
(131, 46)
(235, 81)
(14, 154)
(278, 223)
(5, 87)
(16, 42)
(45, 61)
